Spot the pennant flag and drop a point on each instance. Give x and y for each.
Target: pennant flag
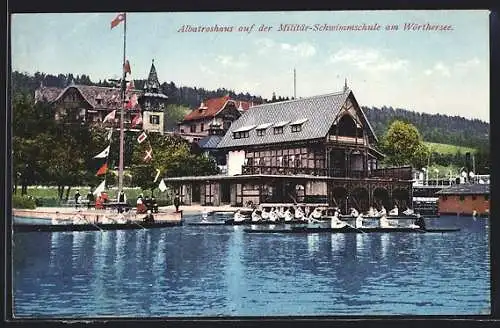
(137, 120)
(103, 153)
(142, 137)
(162, 186)
(157, 175)
(110, 116)
(149, 155)
(117, 20)
(102, 170)
(110, 133)
(132, 102)
(126, 67)
(100, 188)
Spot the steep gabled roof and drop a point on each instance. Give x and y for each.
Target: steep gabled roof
(110, 97)
(152, 84)
(320, 112)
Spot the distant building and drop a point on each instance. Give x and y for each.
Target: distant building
(91, 104)
(465, 199)
(222, 111)
(319, 149)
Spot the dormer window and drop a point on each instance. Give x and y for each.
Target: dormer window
(202, 107)
(278, 130)
(261, 132)
(261, 129)
(296, 126)
(243, 132)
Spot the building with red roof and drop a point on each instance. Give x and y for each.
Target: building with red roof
(221, 111)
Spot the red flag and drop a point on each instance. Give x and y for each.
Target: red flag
(142, 137)
(149, 155)
(137, 120)
(126, 67)
(110, 116)
(132, 102)
(118, 19)
(102, 170)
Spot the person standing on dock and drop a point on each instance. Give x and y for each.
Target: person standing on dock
(177, 202)
(77, 198)
(90, 199)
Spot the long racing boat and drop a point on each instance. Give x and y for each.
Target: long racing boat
(349, 229)
(131, 225)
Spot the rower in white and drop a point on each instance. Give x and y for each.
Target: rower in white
(394, 211)
(384, 223)
(382, 211)
(281, 213)
(204, 215)
(79, 219)
(354, 212)
(408, 211)
(238, 217)
(265, 214)
(255, 216)
(372, 212)
(273, 215)
(288, 215)
(336, 223)
(299, 215)
(359, 221)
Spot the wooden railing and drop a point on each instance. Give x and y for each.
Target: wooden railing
(346, 140)
(403, 173)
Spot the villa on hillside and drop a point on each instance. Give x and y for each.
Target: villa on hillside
(320, 149)
(91, 104)
(220, 111)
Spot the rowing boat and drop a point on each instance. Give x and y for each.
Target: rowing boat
(348, 229)
(232, 222)
(91, 226)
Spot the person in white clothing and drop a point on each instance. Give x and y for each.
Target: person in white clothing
(316, 214)
(280, 213)
(288, 215)
(204, 215)
(408, 211)
(384, 223)
(273, 215)
(336, 223)
(382, 211)
(359, 221)
(299, 215)
(238, 217)
(354, 212)
(265, 214)
(255, 216)
(394, 211)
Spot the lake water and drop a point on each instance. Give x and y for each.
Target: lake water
(223, 271)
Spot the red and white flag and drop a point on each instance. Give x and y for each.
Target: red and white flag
(132, 102)
(137, 120)
(110, 116)
(102, 170)
(141, 137)
(118, 19)
(126, 67)
(149, 155)
(103, 154)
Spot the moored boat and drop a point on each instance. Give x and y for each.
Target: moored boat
(130, 225)
(349, 229)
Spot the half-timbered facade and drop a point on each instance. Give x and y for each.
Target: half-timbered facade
(320, 149)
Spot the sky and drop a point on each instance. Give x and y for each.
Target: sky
(444, 71)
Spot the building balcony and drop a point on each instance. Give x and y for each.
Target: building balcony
(403, 173)
(346, 140)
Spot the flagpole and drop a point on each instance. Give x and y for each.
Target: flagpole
(122, 112)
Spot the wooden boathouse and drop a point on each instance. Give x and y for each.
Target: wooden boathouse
(320, 149)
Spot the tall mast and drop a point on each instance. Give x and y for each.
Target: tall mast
(122, 111)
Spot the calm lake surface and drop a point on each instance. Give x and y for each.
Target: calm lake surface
(223, 271)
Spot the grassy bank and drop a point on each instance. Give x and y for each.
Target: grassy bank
(448, 149)
(47, 196)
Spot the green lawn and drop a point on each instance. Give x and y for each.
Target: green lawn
(48, 195)
(447, 149)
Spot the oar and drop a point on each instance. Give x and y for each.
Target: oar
(354, 227)
(95, 225)
(138, 224)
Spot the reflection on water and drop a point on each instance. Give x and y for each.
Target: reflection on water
(221, 270)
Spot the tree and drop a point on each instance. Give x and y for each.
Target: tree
(403, 145)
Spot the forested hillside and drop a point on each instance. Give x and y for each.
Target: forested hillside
(433, 127)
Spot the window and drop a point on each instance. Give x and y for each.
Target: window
(278, 130)
(154, 119)
(462, 198)
(261, 132)
(474, 197)
(192, 128)
(296, 128)
(182, 130)
(241, 134)
(202, 127)
(445, 198)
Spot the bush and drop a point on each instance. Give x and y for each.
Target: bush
(25, 202)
